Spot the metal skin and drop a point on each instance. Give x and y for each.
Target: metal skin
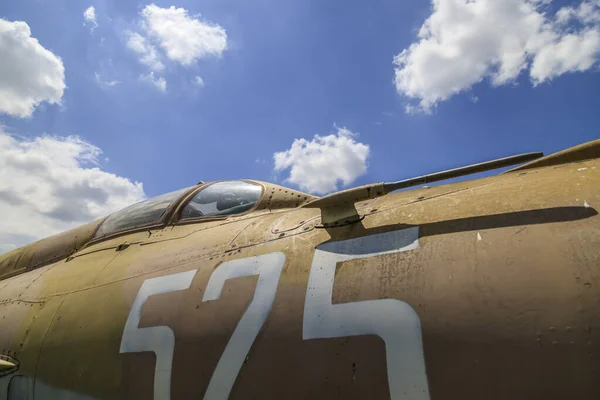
(482, 289)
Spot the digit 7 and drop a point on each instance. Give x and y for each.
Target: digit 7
(268, 268)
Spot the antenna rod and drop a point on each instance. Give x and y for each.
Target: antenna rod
(468, 170)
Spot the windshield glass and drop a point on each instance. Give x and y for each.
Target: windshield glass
(222, 198)
(147, 212)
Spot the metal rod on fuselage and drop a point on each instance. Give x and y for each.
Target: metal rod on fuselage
(467, 170)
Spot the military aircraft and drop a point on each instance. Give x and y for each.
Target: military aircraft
(479, 289)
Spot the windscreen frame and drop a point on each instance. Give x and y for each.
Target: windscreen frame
(177, 215)
(158, 224)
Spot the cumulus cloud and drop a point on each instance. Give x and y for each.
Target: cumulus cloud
(464, 42)
(51, 184)
(185, 39)
(319, 165)
(570, 53)
(588, 12)
(89, 18)
(145, 50)
(172, 34)
(29, 73)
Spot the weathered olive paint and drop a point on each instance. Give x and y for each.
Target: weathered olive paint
(505, 281)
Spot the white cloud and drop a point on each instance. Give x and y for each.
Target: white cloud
(89, 17)
(317, 166)
(199, 81)
(572, 52)
(145, 50)
(101, 82)
(50, 184)
(588, 12)
(29, 73)
(464, 42)
(159, 82)
(185, 39)
(410, 109)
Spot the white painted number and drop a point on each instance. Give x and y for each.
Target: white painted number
(392, 320)
(161, 341)
(158, 339)
(268, 268)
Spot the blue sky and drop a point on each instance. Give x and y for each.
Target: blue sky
(293, 69)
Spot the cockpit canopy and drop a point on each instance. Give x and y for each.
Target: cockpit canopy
(222, 198)
(216, 199)
(144, 213)
(202, 202)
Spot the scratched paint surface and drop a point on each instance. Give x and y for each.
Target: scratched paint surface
(394, 321)
(497, 315)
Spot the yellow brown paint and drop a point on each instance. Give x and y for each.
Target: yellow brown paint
(506, 283)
